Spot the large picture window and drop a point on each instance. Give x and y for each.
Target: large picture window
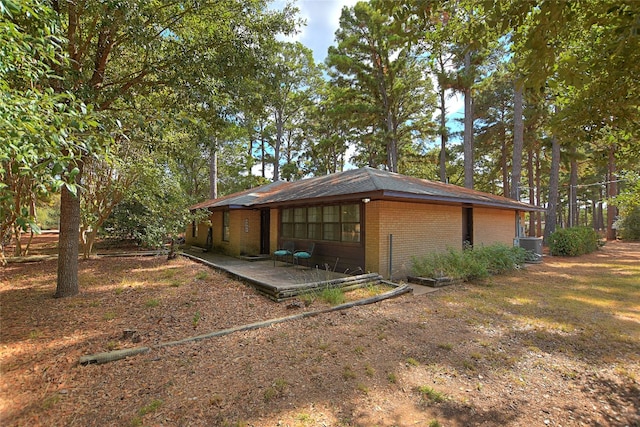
(338, 223)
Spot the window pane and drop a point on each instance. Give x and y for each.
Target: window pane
(331, 214)
(225, 226)
(351, 213)
(300, 215)
(287, 215)
(331, 232)
(351, 232)
(314, 214)
(315, 231)
(287, 230)
(300, 231)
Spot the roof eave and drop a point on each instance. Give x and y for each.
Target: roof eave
(398, 195)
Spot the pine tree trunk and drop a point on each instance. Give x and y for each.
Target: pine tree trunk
(276, 149)
(68, 242)
(213, 170)
(538, 194)
(468, 128)
(504, 164)
(518, 142)
(554, 181)
(443, 137)
(612, 191)
(573, 190)
(532, 194)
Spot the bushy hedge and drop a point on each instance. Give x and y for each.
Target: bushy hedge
(630, 225)
(573, 241)
(479, 262)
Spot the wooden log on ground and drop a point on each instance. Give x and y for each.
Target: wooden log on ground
(111, 356)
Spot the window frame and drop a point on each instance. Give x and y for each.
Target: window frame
(291, 224)
(226, 231)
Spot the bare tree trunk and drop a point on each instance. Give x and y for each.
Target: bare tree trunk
(554, 181)
(443, 137)
(503, 164)
(612, 191)
(532, 193)
(468, 128)
(276, 149)
(538, 194)
(573, 190)
(68, 241)
(213, 169)
(518, 142)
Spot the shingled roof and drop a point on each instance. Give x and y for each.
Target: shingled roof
(366, 182)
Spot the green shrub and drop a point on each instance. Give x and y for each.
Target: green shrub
(630, 225)
(470, 263)
(573, 241)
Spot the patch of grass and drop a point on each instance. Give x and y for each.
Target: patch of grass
(469, 365)
(363, 388)
(434, 423)
(333, 296)
(154, 302)
(475, 356)
(175, 283)
(304, 418)
(392, 378)
(112, 345)
(34, 335)
(348, 373)
(196, 319)
(445, 346)
(308, 298)
(153, 406)
(368, 369)
(119, 290)
(202, 275)
(277, 389)
(359, 350)
(429, 393)
(109, 315)
(413, 362)
(50, 401)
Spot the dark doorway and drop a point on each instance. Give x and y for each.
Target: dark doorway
(265, 225)
(467, 226)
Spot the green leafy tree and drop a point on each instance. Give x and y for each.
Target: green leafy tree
(387, 86)
(39, 127)
(119, 51)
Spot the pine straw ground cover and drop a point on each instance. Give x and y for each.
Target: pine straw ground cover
(556, 344)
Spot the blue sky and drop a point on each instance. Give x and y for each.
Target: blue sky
(322, 18)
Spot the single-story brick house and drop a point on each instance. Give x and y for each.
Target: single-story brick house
(361, 220)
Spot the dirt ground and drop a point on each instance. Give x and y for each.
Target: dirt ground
(542, 346)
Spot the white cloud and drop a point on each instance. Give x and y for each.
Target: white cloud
(322, 18)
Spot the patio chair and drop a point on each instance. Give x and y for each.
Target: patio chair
(287, 251)
(306, 255)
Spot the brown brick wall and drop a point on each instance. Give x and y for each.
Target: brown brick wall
(417, 229)
(493, 226)
(202, 228)
(248, 231)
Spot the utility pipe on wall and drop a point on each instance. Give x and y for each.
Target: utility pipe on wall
(390, 257)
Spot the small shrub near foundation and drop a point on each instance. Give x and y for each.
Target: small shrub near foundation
(471, 263)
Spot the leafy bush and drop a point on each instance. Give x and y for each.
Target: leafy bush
(630, 225)
(573, 241)
(470, 263)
